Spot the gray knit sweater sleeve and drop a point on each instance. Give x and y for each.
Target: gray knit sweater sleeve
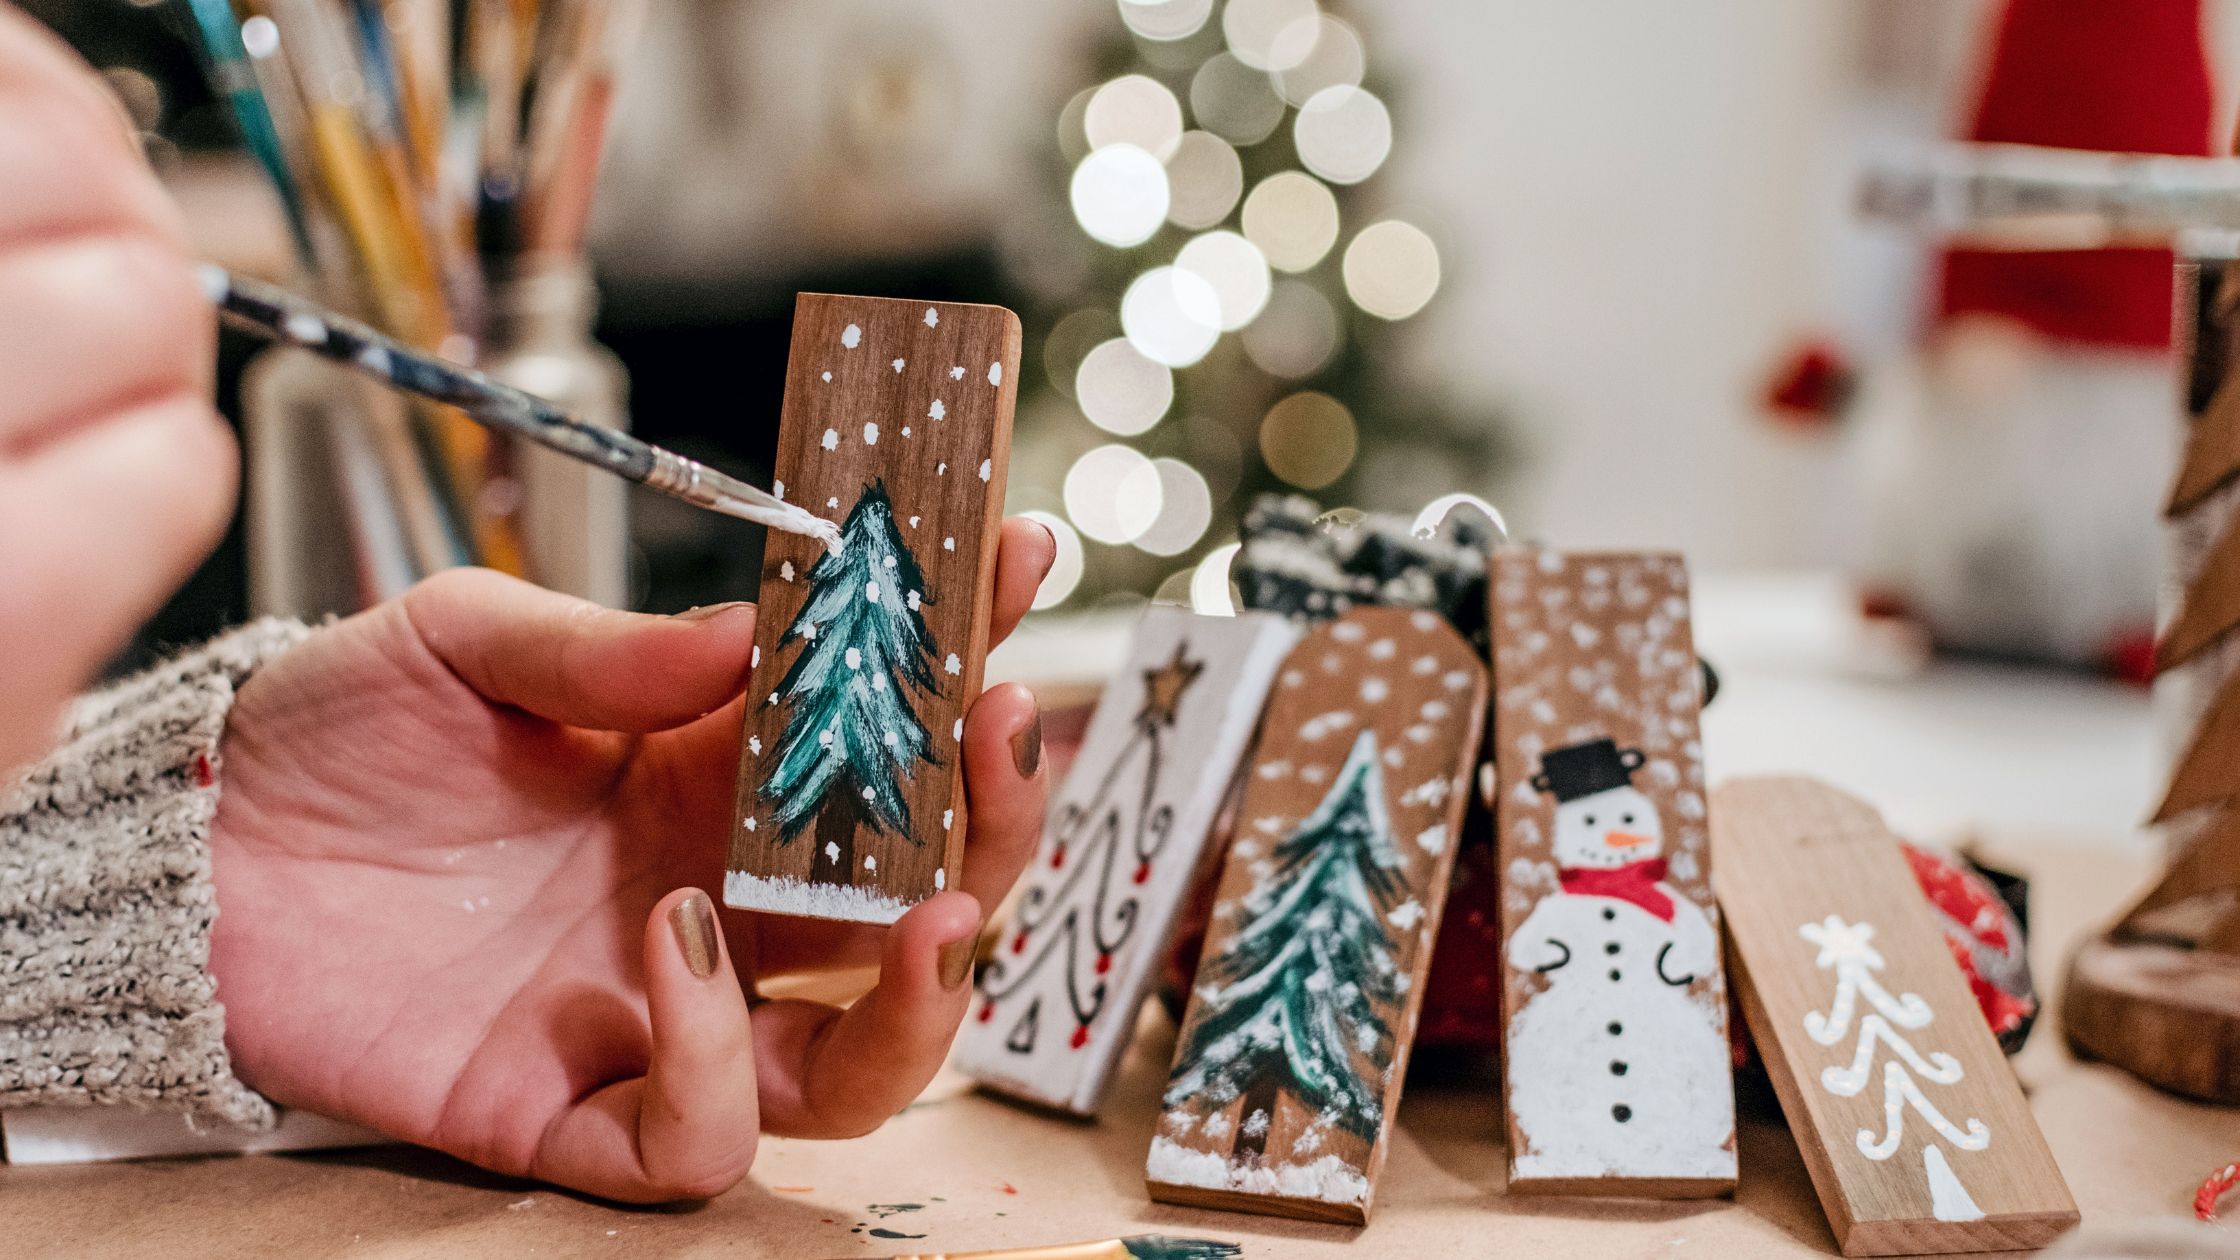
(106, 902)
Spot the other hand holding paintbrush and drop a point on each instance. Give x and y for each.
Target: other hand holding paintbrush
(276, 315)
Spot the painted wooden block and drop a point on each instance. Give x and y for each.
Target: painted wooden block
(1292, 1051)
(897, 425)
(1057, 1005)
(1616, 1066)
(1910, 1120)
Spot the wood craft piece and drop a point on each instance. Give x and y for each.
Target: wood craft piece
(1617, 1070)
(1912, 1125)
(1057, 1005)
(897, 425)
(1291, 1054)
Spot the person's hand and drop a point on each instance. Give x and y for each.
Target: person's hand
(454, 854)
(116, 476)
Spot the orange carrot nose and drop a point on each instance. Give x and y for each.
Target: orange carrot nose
(1626, 839)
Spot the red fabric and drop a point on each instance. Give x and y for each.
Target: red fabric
(1635, 882)
(1811, 387)
(2086, 74)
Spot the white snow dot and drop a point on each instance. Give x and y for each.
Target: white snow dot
(948, 819)
(824, 739)
(773, 697)
(914, 521)
(750, 822)
(913, 599)
(933, 318)
(906, 430)
(956, 731)
(1425, 665)
(995, 374)
(870, 435)
(1456, 679)
(855, 659)
(832, 503)
(898, 366)
(778, 489)
(986, 466)
(891, 562)
(871, 591)
(754, 744)
(828, 378)
(831, 851)
(941, 469)
(956, 373)
(832, 439)
(1348, 632)
(937, 411)
(809, 631)
(940, 880)
(1374, 690)
(785, 570)
(868, 794)
(890, 739)
(851, 336)
(1382, 650)
(754, 657)
(953, 665)
(878, 682)
(949, 544)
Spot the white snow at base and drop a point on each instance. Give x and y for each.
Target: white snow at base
(779, 895)
(851, 336)
(1948, 1199)
(1328, 1180)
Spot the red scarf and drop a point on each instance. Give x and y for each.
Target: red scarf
(1635, 882)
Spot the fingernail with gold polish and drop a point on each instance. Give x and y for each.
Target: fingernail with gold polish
(955, 960)
(708, 612)
(693, 922)
(1026, 747)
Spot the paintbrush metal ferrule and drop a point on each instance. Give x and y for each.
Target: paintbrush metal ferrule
(279, 316)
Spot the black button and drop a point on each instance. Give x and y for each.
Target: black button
(1617, 1067)
(1610, 947)
(1608, 913)
(1614, 975)
(1621, 1113)
(1616, 1028)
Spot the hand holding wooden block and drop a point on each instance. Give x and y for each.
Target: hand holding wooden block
(897, 424)
(1911, 1122)
(1293, 1048)
(1058, 1004)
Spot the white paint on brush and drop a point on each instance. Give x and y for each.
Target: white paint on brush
(307, 330)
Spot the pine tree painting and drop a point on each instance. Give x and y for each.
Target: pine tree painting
(1299, 995)
(852, 736)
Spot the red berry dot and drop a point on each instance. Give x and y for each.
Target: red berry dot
(1081, 1036)
(987, 1011)
(1057, 857)
(1143, 872)
(1019, 943)
(1104, 963)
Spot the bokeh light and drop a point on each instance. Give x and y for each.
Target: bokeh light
(1334, 58)
(1235, 269)
(1343, 134)
(1204, 179)
(1186, 508)
(1254, 30)
(1211, 593)
(1120, 390)
(1308, 439)
(1293, 218)
(1234, 101)
(1391, 269)
(1071, 339)
(1296, 333)
(1113, 494)
(1066, 569)
(1120, 195)
(1134, 109)
(1171, 315)
(1165, 20)
(1073, 140)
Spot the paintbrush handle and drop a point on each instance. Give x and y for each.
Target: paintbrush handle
(277, 315)
(1111, 1249)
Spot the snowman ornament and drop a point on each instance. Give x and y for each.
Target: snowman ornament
(1614, 1064)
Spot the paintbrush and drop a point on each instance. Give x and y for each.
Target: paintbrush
(1141, 1247)
(276, 315)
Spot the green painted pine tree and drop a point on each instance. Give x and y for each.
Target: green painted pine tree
(851, 736)
(1292, 1001)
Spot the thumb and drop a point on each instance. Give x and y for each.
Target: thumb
(688, 1128)
(572, 661)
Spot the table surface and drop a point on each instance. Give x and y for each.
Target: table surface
(959, 1171)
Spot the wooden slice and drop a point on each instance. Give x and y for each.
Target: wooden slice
(1057, 1006)
(1292, 1051)
(1911, 1122)
(2168, 1015)
(1617, 1071)
(897, 425)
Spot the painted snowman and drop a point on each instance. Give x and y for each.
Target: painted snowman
(1616, 1064)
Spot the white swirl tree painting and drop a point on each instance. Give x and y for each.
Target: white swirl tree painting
(1847, 949)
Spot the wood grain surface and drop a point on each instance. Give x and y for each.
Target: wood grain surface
(1291, 1054)
(1618, 1077)
(1057, 1005)
(897, 424)
(1911, 1122)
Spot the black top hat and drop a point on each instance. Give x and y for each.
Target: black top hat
(1585, 769)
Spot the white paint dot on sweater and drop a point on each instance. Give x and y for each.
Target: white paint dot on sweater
(851, 336)
(937, 411)
(933, 318)
(953, 665)
(831, 439)
(870, 435)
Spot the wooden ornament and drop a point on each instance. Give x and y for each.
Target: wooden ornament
(897, 425)
(1291, 1053)
(1910, 1120)
(1057, 1006)
(2208, 610)
(1617, 1070)
(2212, 449)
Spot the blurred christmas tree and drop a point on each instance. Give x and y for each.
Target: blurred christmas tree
(1222, 314)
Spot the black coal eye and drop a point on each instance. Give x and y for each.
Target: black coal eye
(1590, 820)
(1627, 820)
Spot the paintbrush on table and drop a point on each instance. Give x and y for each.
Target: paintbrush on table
(1140, 1247)
(277, 315)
